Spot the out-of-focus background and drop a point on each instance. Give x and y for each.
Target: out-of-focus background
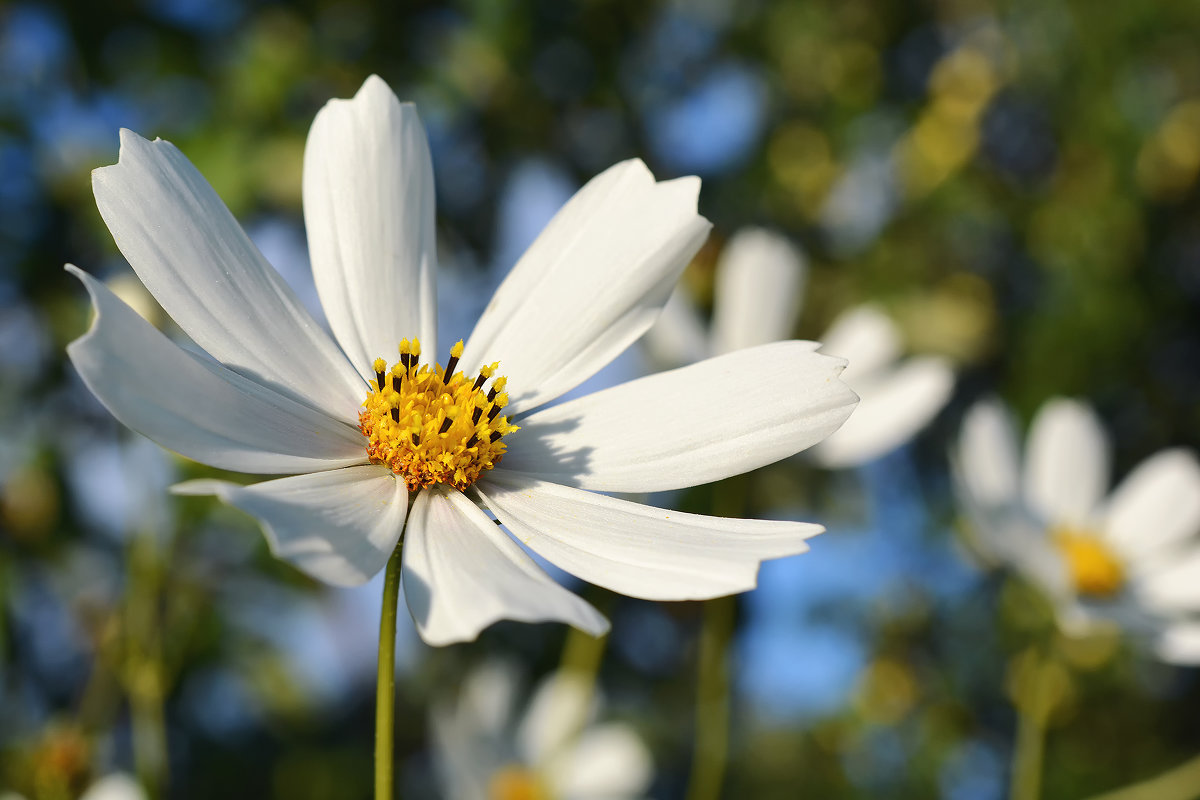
(1015, 183)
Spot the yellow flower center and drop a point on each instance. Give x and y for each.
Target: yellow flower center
(1095, 569)
(516, 783)
(433, 425)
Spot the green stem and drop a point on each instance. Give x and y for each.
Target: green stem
(149, 727)
(711, 747)
(1036, 693)
(143, 667)
(1028, 756)
(385, 692)
(1180, 783)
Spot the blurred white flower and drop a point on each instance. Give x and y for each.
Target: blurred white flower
(554, 751)
(276, 395)
(1131, 558)
(117, 786)
(760, 281)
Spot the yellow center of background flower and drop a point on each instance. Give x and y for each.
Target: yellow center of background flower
(1095, 569)
(516, 783)
(429, 428)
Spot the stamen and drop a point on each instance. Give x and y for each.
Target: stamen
(501, 402)
(452, 364)
(380, 367)
(410, 421)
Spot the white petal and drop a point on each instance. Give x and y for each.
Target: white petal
(1174, 586)
(561, 706)
(866, 337)
(1157, 506)
(339, 526)
(591, 284)
(638, 550)
(197, 407)
(1180, 644)
(679, 336)
(700, 423)
(117, 786)
(893, 408)
(207, 274)
(987, 454)
(1066, 463)
(369, 210)
(759, 284)
(607, 762)
(462, 573)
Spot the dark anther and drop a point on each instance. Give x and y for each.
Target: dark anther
(471, 442)
(476, 414)
(495, 436)
(450, 367)
(405, 359)
(416, 437)
(446, 423)
(395, 414)
(492, 414)
(478, 382)
(379, 380)
(396, 383)
(492, 394)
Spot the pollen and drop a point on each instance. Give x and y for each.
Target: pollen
(1094, 569)
(430, 424)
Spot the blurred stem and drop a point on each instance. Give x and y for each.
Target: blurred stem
(582, 655)
(143, 666)
(1180, 783)
(711, 747)
(385, 691)
(1035, 701)
(1027, 756)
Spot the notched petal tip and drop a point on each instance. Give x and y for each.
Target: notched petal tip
(687, 188)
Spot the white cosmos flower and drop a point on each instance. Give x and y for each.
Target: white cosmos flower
(276, 395)
(760, 281)
(1131, 558)
(555, 750)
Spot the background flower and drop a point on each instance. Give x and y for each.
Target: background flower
(1132, 557)
(554, 748)
(758, 289)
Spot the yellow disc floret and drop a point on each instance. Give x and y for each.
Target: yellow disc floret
(1095, 570)
(432, 425)
(516, 783)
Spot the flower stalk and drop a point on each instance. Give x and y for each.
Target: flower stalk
(711, 750)
(385, 687)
